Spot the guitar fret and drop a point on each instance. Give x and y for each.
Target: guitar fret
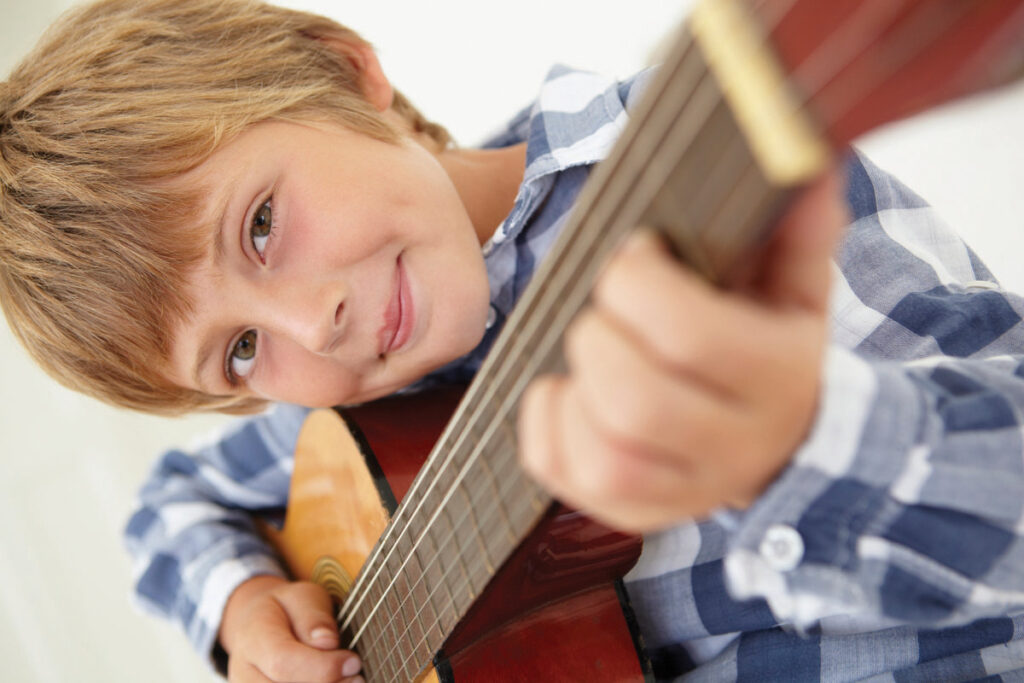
(407, 612)
(396, 627)
(492, 485)
(477, 532)
(390, 631)
(419, 595)
(458, 556)
(387, 664)
(435, 576)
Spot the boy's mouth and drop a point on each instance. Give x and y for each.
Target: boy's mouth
(399, 315)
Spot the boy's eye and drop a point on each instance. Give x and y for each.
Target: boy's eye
(262, 224)
(243, 355)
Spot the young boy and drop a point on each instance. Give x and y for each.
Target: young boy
(215, 205)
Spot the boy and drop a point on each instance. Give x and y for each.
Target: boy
(242, 199)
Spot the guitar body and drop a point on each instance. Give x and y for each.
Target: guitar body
(553, 611)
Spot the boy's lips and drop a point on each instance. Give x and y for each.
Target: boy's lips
(399, 315)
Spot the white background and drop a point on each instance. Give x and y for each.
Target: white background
(69, 467)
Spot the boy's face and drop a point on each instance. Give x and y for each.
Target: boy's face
(342, 269)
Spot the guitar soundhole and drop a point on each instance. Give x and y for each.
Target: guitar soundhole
(328, 573)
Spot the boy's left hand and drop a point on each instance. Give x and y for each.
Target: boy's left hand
(682, 398)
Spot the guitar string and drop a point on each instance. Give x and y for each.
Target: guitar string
(494, 386)
(472, 457)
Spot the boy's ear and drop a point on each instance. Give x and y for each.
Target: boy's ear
(374, 84)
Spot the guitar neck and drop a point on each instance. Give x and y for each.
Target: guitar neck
(747, 107)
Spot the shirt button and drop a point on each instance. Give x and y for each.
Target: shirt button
(783, 547)
(492, 315)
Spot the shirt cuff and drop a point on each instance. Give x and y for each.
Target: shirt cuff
(767, 556)
(217, 589)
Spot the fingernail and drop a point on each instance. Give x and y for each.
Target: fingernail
(323, 634)
(351, 666)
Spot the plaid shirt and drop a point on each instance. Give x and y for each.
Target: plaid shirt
(890, 547)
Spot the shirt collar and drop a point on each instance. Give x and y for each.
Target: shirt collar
(574, 121)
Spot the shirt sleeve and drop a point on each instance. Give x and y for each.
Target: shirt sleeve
(905, 502)
(193, 536)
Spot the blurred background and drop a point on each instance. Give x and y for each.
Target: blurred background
(69, 466)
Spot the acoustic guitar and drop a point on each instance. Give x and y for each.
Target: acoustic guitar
(447, 560)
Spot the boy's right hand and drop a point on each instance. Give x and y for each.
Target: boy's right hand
(279, 630)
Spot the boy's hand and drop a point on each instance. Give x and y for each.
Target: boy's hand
(680, 397)
(277, 630)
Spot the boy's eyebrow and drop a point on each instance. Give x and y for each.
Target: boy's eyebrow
(217, 228)
(202, 360)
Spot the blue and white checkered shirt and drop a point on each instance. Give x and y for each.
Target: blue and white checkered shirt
(890, 547)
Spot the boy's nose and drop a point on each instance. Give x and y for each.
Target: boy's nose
(321, 333)
(313, 321)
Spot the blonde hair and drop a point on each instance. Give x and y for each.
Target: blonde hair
(119, 97)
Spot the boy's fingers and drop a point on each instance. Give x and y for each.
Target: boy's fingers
(625, 488)
(638, 401)
(289, 660)
(274, 650)
(311, 612)
(682, 322)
